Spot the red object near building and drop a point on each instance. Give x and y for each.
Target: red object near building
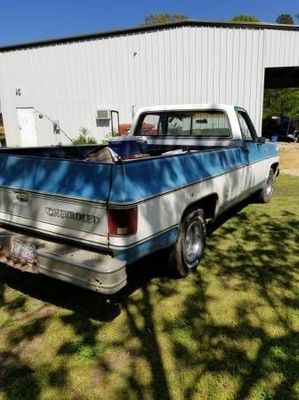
(124, 129)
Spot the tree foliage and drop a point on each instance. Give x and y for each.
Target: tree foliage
(285, 19)
(163, 18)
(245, 18)
(281, 102)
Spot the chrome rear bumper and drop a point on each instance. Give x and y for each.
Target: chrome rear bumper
(91, 270)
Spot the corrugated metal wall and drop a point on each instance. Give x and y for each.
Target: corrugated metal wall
(69, 82)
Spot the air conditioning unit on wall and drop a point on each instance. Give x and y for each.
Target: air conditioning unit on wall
(103, 115)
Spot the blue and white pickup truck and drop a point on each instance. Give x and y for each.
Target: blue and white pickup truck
(82, 214)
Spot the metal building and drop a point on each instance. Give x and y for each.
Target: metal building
(72, 82)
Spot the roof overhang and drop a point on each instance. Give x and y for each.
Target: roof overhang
(150, 28)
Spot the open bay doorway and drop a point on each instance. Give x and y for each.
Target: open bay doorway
(281, 104)
(27, 126)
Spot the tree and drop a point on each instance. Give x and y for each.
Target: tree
(154, 19)
(281, 102)
(285, 19)
(245, 18)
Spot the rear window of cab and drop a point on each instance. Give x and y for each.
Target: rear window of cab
(203, 123)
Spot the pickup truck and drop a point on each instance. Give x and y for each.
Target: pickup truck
(73, 213)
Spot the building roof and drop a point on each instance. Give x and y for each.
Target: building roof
(140, 29)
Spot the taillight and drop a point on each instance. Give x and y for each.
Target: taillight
(122, 221)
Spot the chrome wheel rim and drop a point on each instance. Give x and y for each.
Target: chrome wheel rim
(269, 187)
(193, 244)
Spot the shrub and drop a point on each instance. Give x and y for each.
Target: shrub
(84, 137)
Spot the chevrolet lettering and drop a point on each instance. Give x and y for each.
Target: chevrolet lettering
(65, 214)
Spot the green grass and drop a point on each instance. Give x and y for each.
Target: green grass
(229, 331)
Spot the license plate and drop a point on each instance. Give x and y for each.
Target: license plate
(23, 250)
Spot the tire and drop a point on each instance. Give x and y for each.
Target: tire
(265, 195)
(188, 249)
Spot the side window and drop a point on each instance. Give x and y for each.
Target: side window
(246, 127)
(150, 125)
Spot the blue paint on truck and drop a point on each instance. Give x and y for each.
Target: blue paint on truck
(130, 181)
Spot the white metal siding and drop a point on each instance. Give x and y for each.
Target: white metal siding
(69, 82)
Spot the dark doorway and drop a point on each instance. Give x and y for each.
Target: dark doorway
(282, 78)
(281, 104)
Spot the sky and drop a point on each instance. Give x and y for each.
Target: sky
(32, 20)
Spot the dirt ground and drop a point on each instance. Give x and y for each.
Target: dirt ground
(289, 158)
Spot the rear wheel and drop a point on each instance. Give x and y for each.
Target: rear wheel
(266, 193)
(188, 249)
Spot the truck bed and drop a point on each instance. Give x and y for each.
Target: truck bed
(54, 191)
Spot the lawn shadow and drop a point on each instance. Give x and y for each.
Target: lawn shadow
(17, 380)
(102, 308)
(253, 259)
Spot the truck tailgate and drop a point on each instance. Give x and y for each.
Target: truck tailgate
(65, 198)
